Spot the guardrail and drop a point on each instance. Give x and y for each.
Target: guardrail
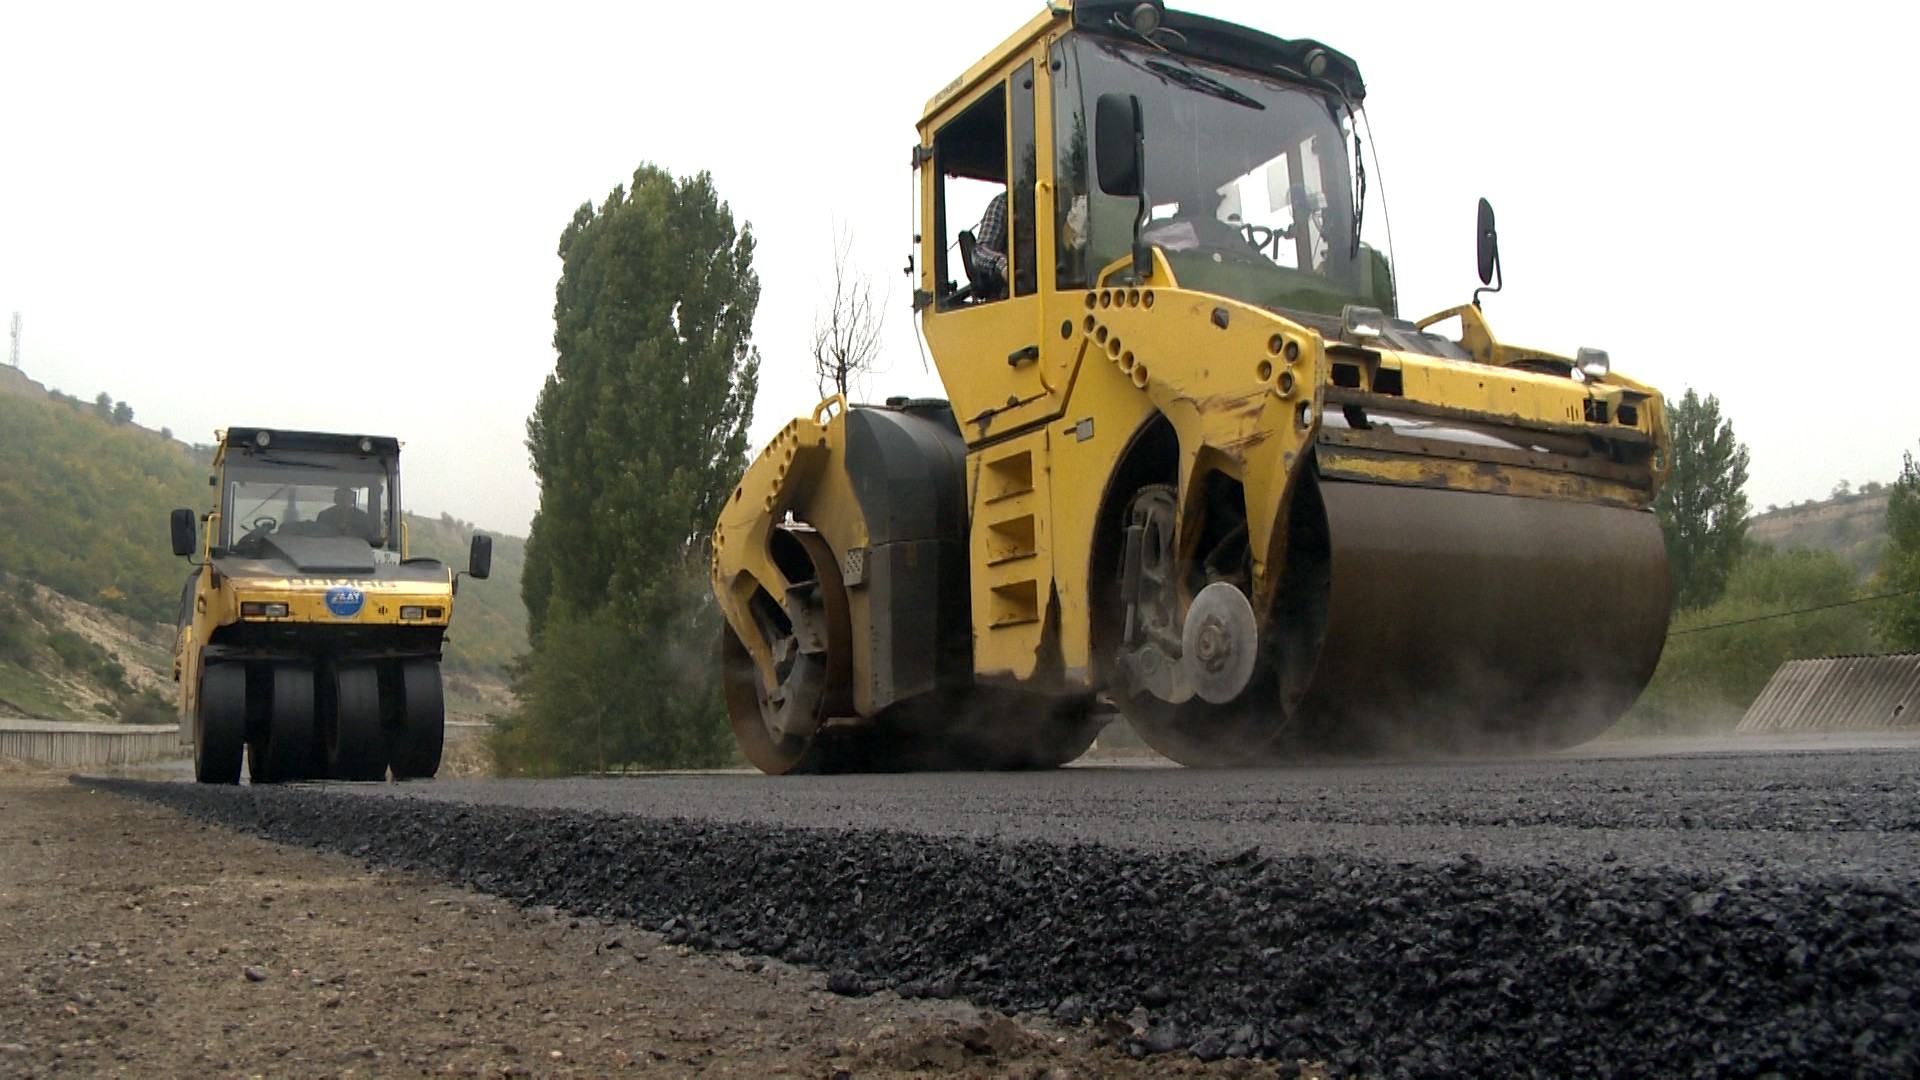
(82, 746)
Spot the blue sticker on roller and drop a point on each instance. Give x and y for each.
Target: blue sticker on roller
(345, 602)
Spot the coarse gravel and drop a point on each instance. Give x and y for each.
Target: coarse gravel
(1594, 940)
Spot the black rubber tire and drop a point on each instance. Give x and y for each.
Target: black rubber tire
(356, 747)
(776, 757)
(259, 704)
(416, 745)
(220, 724)
(287, 752)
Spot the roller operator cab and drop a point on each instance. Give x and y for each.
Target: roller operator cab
(309, 637)
(1195, 465)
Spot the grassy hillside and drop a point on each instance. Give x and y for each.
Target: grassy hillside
(84, 500)
(489, 621)
(61, 659)
(84, 503)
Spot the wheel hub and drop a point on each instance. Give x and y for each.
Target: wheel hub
(1219, 643)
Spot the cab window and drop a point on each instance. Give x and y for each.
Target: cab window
(1026, 277)
(970, 213)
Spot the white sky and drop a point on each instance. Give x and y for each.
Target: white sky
(344, 216)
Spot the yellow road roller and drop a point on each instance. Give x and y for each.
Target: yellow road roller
(1193, 464)
(309, 638)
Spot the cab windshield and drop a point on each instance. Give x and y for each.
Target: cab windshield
(1248, 179)
(300, 494)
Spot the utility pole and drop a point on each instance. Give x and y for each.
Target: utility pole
(13, 356)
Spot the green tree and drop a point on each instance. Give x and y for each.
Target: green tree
(123, 413)
(1776, 607)
(1899, 619)
(636, 439)
(1703, 506)
(103, 406)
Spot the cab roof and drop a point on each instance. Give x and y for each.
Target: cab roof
(315, 442)
(1195, 36)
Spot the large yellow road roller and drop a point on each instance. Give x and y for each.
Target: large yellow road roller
(1193, 464)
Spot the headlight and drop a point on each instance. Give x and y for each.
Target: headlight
(254, 609)
(415, 611)
(1362, 322)
(1146, 17)
(1593, 363)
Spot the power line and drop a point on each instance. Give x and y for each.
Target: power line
(1790, 614)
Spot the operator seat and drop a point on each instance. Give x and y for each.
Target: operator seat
(967, 245)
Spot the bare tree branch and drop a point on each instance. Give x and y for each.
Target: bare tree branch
(846, 337)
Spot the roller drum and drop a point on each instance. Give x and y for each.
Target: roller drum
(1465, 621)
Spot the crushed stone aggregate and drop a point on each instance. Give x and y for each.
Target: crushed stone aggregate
(1595, 940)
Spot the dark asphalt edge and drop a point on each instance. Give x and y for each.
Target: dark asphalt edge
(1395, 969)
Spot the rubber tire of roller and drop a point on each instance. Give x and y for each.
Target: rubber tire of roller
(287, 753)
(416, 745)
(358, 748)
(220, 724)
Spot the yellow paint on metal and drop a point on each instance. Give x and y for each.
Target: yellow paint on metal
(1009, 497)
(800, 474)
(1023, 39)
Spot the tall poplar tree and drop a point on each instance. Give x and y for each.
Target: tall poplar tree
(1899, 620)
(1703, 506)
(637, 438)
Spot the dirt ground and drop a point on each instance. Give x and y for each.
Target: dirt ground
(135, 942)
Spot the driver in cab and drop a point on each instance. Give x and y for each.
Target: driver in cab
(345, 518)
(1209, 219)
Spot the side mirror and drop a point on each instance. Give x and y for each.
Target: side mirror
(1119, 145)
(185, 532)
(1490, 277)
(1489, 243)
(480, 557)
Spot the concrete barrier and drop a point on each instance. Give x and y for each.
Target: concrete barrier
(1840, 693)
(82, 746)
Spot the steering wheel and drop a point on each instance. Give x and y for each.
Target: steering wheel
(264, 524)
(1259, 237)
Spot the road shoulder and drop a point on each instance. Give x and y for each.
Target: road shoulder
(139, 942)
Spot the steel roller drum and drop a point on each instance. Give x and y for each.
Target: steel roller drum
(1464, 620)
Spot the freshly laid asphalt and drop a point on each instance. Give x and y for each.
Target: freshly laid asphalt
(1735, 909)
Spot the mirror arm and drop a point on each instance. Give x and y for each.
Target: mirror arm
(1142, 251)
(1498, 281)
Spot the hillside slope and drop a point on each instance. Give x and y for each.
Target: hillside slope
(61, 659)
(1852, 526)
(84, 502)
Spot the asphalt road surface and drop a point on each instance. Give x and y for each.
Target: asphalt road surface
(1732, 908)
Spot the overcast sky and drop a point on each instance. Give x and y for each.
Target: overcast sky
(344, 216)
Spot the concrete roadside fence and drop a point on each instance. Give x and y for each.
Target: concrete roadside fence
(50, 742)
